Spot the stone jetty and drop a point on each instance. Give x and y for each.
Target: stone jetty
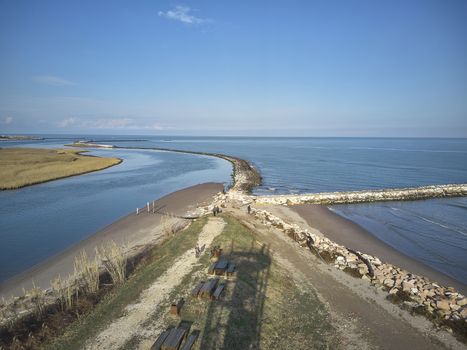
(443, 305)
(396, 194)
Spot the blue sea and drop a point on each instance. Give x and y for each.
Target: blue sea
(432, 231)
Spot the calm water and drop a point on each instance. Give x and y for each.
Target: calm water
(39, 221)
(433, 231)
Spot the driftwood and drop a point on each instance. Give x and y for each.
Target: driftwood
(371, 271)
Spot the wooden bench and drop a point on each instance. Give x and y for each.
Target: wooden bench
(208, 287)
(160, 340)
(217, 293)
(230, 269)
(174, 339)
(211, 268)
(191, 340)
(196, 290)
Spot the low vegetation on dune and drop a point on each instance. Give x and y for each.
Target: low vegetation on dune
(21, 167)
(263, 306)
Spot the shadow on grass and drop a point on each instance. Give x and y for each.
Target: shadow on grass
(243, 304)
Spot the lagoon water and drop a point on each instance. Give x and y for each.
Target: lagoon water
(39, 221)
(432, 231)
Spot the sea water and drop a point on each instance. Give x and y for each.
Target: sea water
(431, 231)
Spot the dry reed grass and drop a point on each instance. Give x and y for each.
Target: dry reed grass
(114, 260)
(37, 297)
(64, 291)
(169, 226)
(21, 167)
(87, 273)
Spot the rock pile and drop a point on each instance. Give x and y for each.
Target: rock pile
(414, 292)
(456, 190)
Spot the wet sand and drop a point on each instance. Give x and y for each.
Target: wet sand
(134, 230)
(351, 235)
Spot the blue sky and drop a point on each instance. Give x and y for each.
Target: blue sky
(266, 68)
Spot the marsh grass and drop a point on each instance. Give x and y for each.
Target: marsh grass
(114, 259)
(21, 167)
(87, 273)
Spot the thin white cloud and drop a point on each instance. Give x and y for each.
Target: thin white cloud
(183, 14)
(103, 123)
(7, 120)
(67, 122)
(51, 80)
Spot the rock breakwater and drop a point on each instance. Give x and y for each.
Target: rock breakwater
(443, 305)
(397, 194)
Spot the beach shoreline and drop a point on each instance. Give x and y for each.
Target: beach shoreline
(351, 235)
(136, 231)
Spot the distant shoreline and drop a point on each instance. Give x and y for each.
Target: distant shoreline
(20, 138)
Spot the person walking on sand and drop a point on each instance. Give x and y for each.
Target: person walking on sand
(214, 212)
(248, 208)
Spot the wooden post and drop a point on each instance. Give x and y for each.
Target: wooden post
(153, 207)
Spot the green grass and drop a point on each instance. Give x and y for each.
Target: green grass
(113, 305)
(21, 167)
(262, 306)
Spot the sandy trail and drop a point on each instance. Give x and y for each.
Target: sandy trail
(129, 325)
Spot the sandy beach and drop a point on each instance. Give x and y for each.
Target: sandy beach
(134, 230)
(351, 235)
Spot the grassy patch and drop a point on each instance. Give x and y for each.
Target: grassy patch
(21, 167)
(262, 307)
(160, 259)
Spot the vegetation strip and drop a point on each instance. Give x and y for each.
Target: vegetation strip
(261, 301)
(20, 167)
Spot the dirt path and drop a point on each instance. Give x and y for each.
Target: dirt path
(363, 315)
(129, 325)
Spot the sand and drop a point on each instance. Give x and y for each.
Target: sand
(134, 230)
(362, 316)
(351, 235)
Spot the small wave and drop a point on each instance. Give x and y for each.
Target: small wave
(407, 150)
(436, 223)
